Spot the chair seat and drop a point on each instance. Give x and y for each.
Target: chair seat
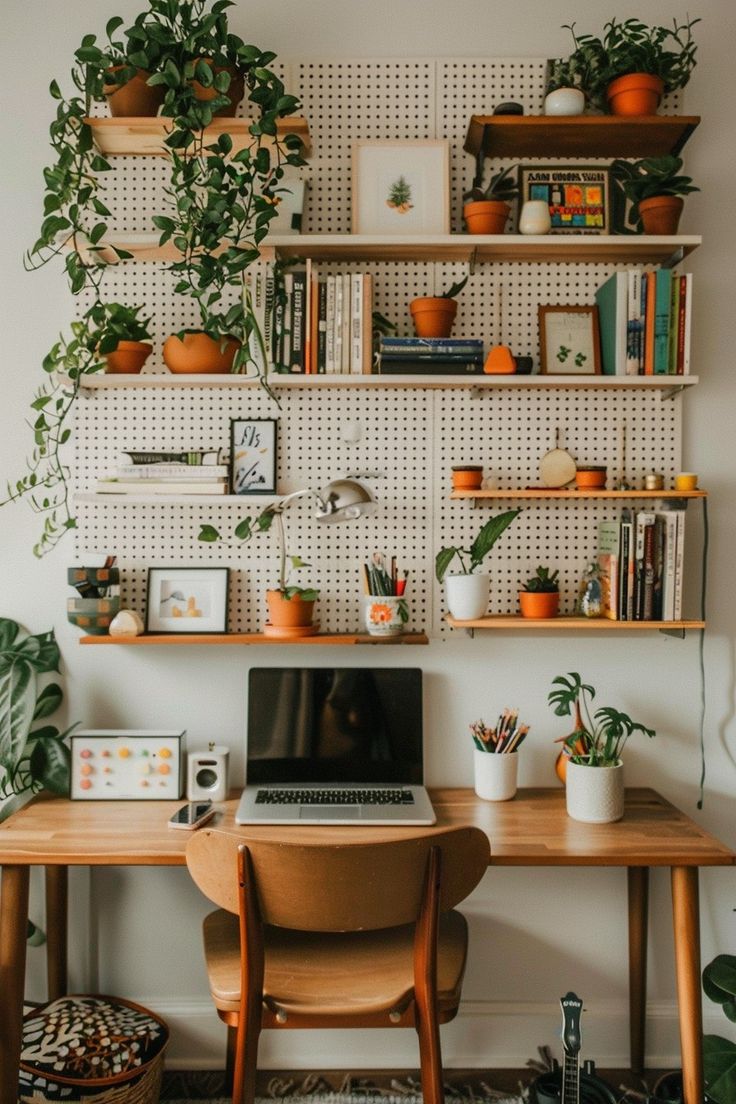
(334, 974)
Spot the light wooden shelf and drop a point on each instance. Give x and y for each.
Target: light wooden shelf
(165, 379)
(574, 624)
(144, 137)
(140, 499)
(467, 248)
(179, 639)
(573, 495)
(520, 136)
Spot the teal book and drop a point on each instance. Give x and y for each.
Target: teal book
(662, 308)
(612, 300)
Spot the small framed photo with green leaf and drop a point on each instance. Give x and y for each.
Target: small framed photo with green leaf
(401, 186)
(569, 341)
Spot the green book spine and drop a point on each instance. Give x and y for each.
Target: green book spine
(662, 307)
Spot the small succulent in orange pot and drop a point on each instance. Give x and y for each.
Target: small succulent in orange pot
(434, 315)
(540, 597)
(486, 210)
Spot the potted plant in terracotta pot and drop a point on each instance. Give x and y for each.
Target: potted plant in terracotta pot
(125, 339)
(540, 596)
(564, 88)
(467, 591)
(594, 776)
(633, 65)
(434, 315)
(119, 70)
(197, 352)
(486, 210)
(655, 188)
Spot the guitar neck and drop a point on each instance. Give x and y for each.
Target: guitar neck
(570, 1079)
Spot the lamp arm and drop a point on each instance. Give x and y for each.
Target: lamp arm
(288, 499)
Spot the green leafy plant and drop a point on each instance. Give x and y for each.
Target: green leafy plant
(564, 73)
(632, 47)
(542, 582)
(719, 1054)
(262, 523)
(651, 176)
(599, 739)
(502, 187)
(122, 324)
(113, 63)
(471, 558)
(455, 289)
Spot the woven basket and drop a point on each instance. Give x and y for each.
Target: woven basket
(92, 1050)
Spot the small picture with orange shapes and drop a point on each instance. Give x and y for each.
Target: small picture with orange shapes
(179, 603)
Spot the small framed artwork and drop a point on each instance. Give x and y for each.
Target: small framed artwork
(289, 207)
(569, 341)
(578, 196)
(253, 455)
(187, 600)
(401, 186)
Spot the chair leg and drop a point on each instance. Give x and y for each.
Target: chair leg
(430, 1055)
(232, 1036)
(246, 1059)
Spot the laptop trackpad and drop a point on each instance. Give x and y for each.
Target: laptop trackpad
(328, 812)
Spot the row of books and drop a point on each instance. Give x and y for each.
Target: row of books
(312, 324)
(426, 355)
(196, 472)
(641, 562)
(645, 321)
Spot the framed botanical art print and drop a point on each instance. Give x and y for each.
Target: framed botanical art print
(187, 600)
(578, 196)
(401, 187)
(253, 455)
(569, 341)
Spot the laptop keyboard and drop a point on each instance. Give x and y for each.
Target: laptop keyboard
(335, 797)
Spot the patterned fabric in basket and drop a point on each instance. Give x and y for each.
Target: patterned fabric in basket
(77, 1046)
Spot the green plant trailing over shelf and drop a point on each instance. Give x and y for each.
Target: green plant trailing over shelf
(719, 1054)
(262, 523)
(121, 324)
(471, 558)
(542, 582)
(651, 176)
(631, 46)
(502, 187)
(218, 208)
(598, 739)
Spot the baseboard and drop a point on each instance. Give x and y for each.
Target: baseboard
(485, 1035)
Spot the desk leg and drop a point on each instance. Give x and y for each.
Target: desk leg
(687, 969)
(13, 933)
(638, 885)
(57, 881)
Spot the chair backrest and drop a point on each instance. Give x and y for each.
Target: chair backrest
(339, 886)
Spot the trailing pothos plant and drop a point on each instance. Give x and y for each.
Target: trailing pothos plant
(598, 739)
(217, 207)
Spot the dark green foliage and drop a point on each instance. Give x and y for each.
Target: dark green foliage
(471, 558)
(603, 735)
(502, 186)
(719, 1054)
(543, 582)
(651, 176)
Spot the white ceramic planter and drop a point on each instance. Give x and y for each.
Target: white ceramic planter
(595, 794)
(467, 595)
(564, 101)
(535, 217)
(495, 775)
(382, 616)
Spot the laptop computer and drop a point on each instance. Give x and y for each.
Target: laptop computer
(334, 745)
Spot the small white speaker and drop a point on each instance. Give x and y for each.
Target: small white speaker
(207, 773)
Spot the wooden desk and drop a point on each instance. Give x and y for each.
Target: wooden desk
(532, 830)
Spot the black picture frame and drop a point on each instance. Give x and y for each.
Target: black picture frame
(213, 624)
(578, 196)
(266, 479)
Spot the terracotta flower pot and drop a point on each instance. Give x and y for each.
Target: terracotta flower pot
(135, 98)
(199, 354)
(634, 94)
(486, 216)
(539, 604)
(433, 317)
(235, 92)
(288, 617)
(467, 477)
(130, 356)
(591, 477)
(661, 214)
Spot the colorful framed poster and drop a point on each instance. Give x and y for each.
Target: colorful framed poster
(578, 196)
(253, 455)
(569, 341)
(187, 600)
(401, 187)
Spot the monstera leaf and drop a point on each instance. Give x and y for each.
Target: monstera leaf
(17, 704)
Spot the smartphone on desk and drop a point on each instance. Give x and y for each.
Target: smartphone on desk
(192, 815)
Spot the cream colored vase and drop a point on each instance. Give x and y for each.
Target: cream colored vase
(495, 775)
(467, 596)
(595, 795)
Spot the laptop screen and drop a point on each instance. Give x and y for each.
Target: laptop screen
(334, 724)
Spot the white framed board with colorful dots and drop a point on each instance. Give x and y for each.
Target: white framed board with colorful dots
(126, 765)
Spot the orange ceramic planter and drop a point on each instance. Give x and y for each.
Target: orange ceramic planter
(486, 216)
(129, 357)
(661, 214)
(198, 353)
(634, 94)
(433, 317)
(288, 617)
(591, 477)
(135, 98)
(467, 478)
(539, 604)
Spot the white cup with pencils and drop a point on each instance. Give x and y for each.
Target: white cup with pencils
(495, 756)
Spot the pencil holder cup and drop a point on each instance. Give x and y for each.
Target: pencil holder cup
(385, 614)
(495, 775)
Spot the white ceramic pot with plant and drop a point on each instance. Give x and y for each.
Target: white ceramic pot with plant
(467, 590)
(564, 94)
(594, 775)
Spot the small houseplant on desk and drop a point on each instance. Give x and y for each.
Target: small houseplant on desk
(655, 187)
(467, 592)
(594, 774)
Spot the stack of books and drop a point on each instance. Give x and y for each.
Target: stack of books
(312, 324)
(645, 322)
(445, 356)
(197, 472)
(641, 561)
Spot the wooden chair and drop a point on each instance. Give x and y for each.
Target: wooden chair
(346, 934)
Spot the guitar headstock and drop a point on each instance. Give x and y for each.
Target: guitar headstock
(571, 1006)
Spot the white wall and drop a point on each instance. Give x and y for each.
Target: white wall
(535, 933)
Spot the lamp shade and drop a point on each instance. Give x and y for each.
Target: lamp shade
(344, 500)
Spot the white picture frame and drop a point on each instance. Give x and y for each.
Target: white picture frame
(291, 194)
(401, 186)
(253, 456)
(187, 600)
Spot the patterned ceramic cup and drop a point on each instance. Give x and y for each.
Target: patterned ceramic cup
(385, 615)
